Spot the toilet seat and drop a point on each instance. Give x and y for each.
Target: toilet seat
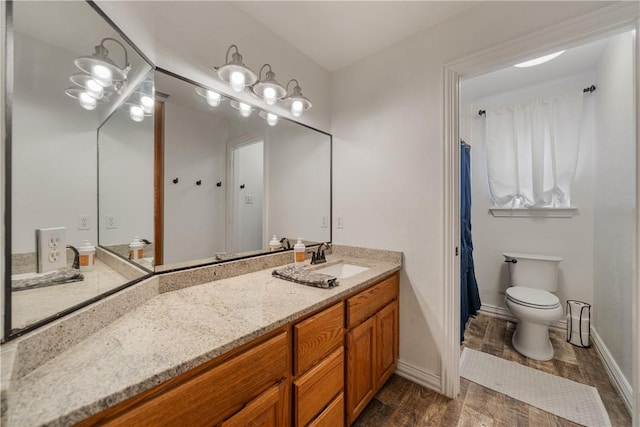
(534, 298)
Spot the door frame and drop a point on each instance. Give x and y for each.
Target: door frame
(576, 31)
(233, 144)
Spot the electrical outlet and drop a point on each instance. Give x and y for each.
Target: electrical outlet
(110, 222)
(248, 199)
(325, 222)
(51, 249)
(83, 222)
(339, 223)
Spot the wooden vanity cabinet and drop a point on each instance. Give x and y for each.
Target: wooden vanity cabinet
(372, 343)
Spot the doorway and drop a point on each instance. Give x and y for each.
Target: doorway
(246, 183)
(568, 34)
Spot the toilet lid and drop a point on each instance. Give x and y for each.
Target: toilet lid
(532, 297)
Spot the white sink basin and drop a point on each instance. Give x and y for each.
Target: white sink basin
(341, 270)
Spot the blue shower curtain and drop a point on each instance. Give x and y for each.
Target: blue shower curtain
(469, 295)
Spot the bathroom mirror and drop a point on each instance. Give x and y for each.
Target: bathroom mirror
(231, 182)
(51, 139)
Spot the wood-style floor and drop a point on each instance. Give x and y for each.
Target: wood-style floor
(403, 403)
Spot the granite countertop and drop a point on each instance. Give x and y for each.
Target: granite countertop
(166, 336)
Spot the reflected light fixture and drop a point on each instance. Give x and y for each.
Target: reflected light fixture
(136, 112)
(235, 72)
(213, 98)
(245, 109)
(268, 89)
(102, 75)
(540, 60)
(272, 119)
(296, 101)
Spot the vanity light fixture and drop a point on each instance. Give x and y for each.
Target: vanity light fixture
(136, 112)
(296, 101)
(272, 119)
(269, 89)
(245, 109)
(213, 98)
(540, 60)
(235, 72)
(102, 76)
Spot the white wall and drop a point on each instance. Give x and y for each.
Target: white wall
(194, 148)
(54, 148)
(569, 238)
(389, 151)
(615, 204)
(190, 38)
(299, 183)
(126, 178)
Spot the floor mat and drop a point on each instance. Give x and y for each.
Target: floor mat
(562, 397)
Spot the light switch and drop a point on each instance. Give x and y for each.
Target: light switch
(248, 199)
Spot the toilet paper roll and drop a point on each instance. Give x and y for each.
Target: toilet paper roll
(578, 323)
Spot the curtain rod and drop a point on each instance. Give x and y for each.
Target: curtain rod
(589, 89)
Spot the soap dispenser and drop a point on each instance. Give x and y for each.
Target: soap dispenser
(274, 244)
(298, 252)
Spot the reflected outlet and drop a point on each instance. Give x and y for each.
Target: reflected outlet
(51, 249)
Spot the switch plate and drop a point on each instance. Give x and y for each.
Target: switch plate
(339, 223)
(325, 222)
(248, 199)
(83, 222)
(51, 249)
(110, 222)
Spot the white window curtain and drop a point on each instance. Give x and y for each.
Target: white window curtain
(532, 151)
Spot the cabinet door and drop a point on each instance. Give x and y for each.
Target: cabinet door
(360, 368)
(386, 343)
(266, 410)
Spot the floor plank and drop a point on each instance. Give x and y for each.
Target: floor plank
(403, 403)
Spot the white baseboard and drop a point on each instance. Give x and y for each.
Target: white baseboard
(505, 314)
(418, 376)
(613, 370)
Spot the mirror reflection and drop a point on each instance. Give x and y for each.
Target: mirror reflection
(69, 73)
(233, 177)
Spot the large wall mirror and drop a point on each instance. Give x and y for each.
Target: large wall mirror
(59, 96)
(228, 183)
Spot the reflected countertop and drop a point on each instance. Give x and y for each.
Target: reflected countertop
(170, 334)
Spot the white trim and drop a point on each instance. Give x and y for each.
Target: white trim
(534, 212)
(605, 20)
(613, 370)
(418, 376)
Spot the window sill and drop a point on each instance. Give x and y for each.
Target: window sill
(534, 212)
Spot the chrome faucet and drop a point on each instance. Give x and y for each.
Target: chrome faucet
(282, 242)
(318, 257)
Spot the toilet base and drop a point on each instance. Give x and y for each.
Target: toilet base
(532, 341)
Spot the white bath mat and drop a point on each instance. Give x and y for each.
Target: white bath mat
(562, 397)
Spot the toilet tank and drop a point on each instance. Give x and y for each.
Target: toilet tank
(533, 271)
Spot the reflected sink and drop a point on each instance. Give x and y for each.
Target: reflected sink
(341, 270)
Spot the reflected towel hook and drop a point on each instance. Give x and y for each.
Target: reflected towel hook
(482, 113)
(175, 180)
(219, 184)
(199, 182)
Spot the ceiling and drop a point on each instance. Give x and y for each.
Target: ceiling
(336, 34)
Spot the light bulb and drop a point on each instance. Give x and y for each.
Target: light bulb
(269, 96)
(296, 108)
(237, 81)
(272, 119)
(102, 75)
(213, 98)
(147, 103)
(136, 113)
(94, 89)
(245, 110)
(87, 101)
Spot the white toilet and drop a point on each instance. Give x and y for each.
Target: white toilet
(533, 278)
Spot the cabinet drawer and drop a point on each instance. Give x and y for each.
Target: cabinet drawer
(332, 416)
(317, 336)
(368, 302)
(266, 410)
(315, 389)
(218, 393)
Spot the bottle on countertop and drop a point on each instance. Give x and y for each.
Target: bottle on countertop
(298, 252)
(86, 254)
(274, 244)
(136, 249)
